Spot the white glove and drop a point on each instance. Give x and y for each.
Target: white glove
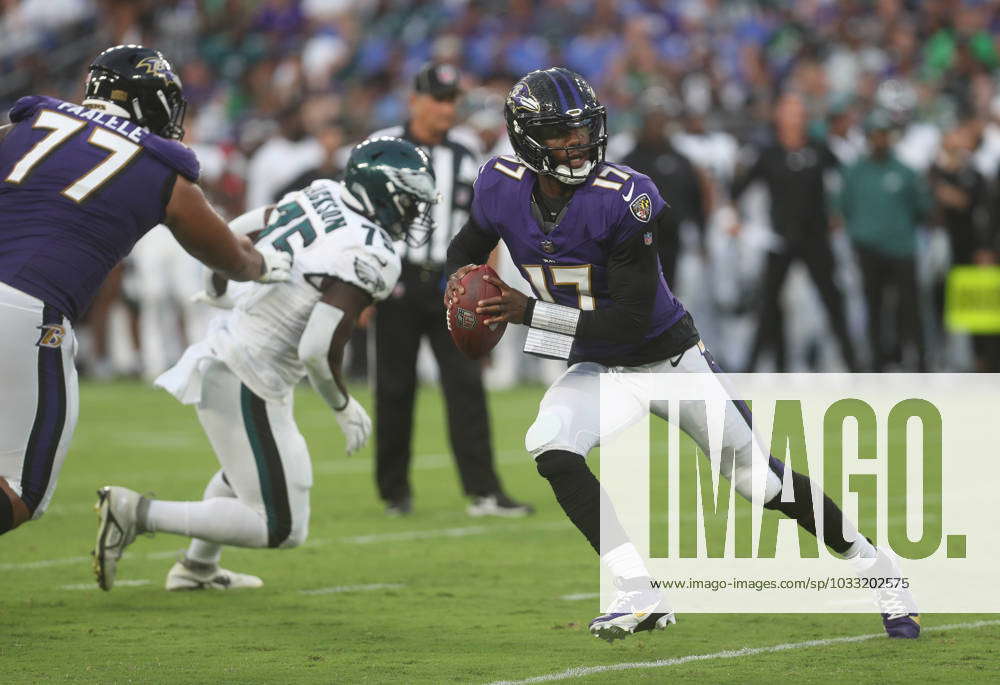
(223, 301)
(277, 265)
(210, 295)
(355, 424)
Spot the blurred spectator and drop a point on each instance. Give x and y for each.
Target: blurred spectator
(844, 137)
(331, 138)
(882, 203)
(962, 199)
(793, 168)
(282, 158)
(679, 182)
(928, 64)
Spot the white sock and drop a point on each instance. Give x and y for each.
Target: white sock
(222, 520)
(861, 554)
(203, 551)
(624, 562)
(861, 548)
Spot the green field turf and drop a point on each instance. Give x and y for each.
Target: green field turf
(470, 601)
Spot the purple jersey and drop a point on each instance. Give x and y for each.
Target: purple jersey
(569, 264)
(78, 188)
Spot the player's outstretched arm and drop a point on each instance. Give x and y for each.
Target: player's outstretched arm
(321, 350)
(250, 224)
(204, 234)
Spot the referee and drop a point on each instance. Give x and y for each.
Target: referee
(414, 310)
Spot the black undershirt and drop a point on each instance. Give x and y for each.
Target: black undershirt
(548, 208)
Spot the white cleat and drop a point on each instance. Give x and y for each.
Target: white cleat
(116, 529)
(637, 608)
(498, 504)
(187, 575)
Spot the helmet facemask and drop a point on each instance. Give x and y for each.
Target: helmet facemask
(556, 160)
(405, 210)
(413, 196)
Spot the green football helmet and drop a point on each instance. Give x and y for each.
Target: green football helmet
(393, 181)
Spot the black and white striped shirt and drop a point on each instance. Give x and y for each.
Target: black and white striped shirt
(455, 170)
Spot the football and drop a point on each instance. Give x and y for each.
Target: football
(471, 335)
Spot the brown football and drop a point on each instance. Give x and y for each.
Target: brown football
(471, 336)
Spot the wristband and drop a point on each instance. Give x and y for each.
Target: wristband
(548, 344)
(555, 317)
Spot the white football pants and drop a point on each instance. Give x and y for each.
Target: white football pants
(39, 398)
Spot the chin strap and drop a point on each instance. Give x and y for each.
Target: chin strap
(566, 174)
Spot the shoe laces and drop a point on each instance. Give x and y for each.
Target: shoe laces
(625, 602)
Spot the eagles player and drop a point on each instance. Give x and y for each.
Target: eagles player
(79, 185)
(583, 232)
(242, 376)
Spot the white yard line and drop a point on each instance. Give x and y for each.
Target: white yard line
(420, 462)
(43, 563)
(93, 586)
(352, 588)
(400, 536)
(581, 595)
(417, 535)
(582, 671)
(459, 532)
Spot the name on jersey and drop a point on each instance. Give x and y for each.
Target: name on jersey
(324, 204)
(106, 120)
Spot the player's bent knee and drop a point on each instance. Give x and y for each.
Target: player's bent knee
(296, 537)
(543, 431)
(13, 511)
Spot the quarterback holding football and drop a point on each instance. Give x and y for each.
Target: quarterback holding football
(583, 231)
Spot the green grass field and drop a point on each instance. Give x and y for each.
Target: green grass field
(459, 599)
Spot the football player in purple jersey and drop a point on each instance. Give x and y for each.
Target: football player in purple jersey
(79, 185)
(583, 232)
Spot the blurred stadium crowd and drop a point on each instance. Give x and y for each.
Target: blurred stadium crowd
(279, 88)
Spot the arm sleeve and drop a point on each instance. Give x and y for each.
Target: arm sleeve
(471, 245)
(314, 350)
(633, 276)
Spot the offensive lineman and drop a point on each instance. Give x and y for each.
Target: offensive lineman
(242, 376)
(583, 232)
(79, 185)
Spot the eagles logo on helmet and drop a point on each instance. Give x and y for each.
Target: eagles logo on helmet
(547, 105)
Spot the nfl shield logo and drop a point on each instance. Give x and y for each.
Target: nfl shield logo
(464, 318)
(647, 238)
(641, 208)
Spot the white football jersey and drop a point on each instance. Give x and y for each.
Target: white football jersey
(259, 338)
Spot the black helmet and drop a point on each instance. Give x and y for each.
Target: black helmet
(394, 182)
(544, 105)
(141, 81)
